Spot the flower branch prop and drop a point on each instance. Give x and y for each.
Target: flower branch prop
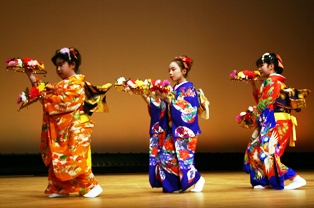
(32, 95)
(147, 87)
(245, 75)
(246, 119)
(20, 65)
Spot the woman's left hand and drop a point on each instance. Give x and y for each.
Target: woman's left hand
(163, 96)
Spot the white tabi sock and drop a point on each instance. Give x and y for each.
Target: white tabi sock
(297, 182)
(259, 187)
(55, 195)
(94, 192)
(199, 185)
(177, 191)
(262, 187)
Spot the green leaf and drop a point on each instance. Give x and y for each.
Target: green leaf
(63, 157)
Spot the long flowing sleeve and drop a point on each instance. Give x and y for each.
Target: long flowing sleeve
(67, 96)
(270, 93)
(158, 115)
(184, 112)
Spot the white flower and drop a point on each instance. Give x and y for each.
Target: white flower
(121, 80)
(250, 109)
(157, 81)
(23, 97)
(19, 62)
(32, 63)
(242, 113)
(146, 82)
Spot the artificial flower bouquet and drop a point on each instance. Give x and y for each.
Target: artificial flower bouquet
(20, 65)
(246, 119)
(245, 75)
(147, 87)
(32, 95)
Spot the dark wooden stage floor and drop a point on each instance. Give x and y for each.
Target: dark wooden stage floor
(222, 189)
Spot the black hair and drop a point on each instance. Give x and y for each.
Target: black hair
(270, 58)
(75, 57)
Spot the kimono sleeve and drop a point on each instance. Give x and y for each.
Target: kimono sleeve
(269, 95)
(67, 96)
(184, 107)
(157, 111)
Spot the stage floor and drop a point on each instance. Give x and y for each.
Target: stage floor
(222, 189)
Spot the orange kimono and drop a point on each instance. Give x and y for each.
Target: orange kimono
(66, 137)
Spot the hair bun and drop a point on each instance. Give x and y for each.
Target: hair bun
(187, 62)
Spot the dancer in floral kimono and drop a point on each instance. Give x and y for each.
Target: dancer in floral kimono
(67, 129)
(275, 124)
(174, 131)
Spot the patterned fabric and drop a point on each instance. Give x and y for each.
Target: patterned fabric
(66, 137)
(173, 139)
(269, 140)
(82, 183)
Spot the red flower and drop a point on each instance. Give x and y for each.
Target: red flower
(34, 92)
(184, 154)
(26, 60)
(192, 144)
(187, 60)
(169, 145)
(249, 74)
(154, 151)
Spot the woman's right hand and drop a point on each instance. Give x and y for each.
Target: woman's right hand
(146, 99)
(31, 77)
(28, 72)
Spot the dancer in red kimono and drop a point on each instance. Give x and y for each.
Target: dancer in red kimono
(275, 124)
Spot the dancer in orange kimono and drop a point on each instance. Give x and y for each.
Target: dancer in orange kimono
(67, 129)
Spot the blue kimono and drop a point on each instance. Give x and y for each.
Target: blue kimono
(174, 131)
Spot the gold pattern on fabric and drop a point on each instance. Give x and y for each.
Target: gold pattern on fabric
(287, 116)
(300, 101)
(96, 96)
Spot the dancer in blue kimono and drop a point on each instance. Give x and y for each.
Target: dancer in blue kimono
(174, 131)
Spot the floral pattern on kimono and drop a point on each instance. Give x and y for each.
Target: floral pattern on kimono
(185, 131)
(65, 139)
(173, 140)
(262, 157)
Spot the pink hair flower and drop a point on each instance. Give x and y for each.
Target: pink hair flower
(66, 51)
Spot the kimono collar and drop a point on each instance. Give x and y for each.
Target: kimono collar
(178, 85)
(277, 77)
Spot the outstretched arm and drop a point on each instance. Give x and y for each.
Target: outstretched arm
(31, 77)
(270, 93)
(146, 99)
